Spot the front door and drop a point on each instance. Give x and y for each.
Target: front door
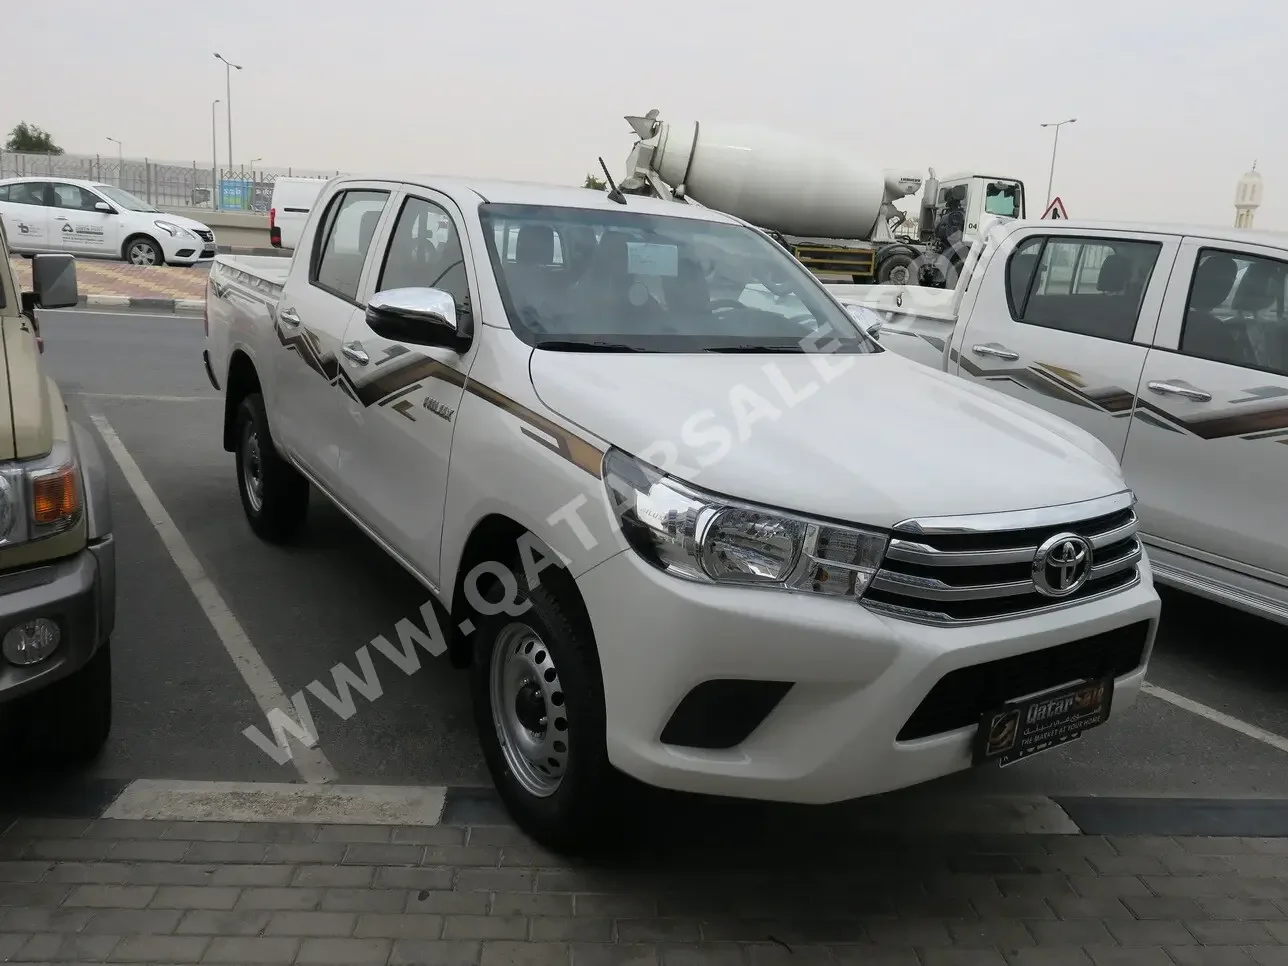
(403, 399)
(311, 318)
(1065, 323)
(78, 226)
(26, 216)
(1208, 454)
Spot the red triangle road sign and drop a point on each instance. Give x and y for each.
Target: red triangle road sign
(1055, 210)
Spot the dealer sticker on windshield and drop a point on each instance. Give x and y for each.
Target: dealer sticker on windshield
(1041, 722)
(646, 258)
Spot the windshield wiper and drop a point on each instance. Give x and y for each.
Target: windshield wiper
(570, 345)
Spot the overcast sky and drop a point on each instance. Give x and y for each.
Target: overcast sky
(1174, 100)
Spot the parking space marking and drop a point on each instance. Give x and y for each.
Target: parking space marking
(310, 761)
(1217, 717)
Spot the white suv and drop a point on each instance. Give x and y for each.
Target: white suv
(88, 218)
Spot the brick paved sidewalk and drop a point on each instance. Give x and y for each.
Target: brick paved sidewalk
(102, 277)
(110, 891)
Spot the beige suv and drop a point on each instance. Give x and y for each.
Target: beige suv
(57, 558)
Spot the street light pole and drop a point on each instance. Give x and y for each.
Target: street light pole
(1054, 144)
(214, 158)
(229, 67)
(120, 163)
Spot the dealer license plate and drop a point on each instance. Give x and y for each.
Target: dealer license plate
(1042, 722)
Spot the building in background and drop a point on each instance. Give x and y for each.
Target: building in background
(1247, 198)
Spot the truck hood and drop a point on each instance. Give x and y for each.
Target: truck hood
(884, 440)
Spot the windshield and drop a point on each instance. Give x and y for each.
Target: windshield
(627, 280)
(124, 198)
(1003, 198)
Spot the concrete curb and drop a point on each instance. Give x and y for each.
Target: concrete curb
(171, 306)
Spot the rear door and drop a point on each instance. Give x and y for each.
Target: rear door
(1208, 454)
(312, 315)
(26, 215)
(1063, 320)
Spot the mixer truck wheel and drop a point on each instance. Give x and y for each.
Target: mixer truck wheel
(896, 270)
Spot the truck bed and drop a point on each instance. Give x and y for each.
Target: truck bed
(266, 273)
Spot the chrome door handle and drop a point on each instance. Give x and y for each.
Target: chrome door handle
(60, 217)
(353, 352)
(1178, 388)
(993, 349)
(289, 316)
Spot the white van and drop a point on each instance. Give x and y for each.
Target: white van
(289, 209)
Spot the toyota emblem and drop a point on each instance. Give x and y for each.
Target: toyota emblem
(1062, 565)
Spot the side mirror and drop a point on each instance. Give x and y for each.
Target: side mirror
(103, 206)
(421, 316)
(870, 322)
(53, 281)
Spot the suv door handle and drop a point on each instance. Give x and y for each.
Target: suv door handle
(993, 349)
(289, 316)
(1176, 387)
(354, 353)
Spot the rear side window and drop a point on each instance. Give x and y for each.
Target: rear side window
(345, 239)
(25, 193)
(1091, 286)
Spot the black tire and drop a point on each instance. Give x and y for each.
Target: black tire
(143, 243)
(898, 266)
(279, 510)
(68, 722)
(578, 818)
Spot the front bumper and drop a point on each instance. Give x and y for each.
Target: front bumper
(79, 593)
(855, 678)
(187, 251)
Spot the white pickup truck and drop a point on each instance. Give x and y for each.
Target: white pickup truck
(718, 546)
(1169, 344)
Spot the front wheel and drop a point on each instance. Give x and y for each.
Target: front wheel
(144, 251)
(274, 495)
(896, 270)
(539, 711)
(69, 721)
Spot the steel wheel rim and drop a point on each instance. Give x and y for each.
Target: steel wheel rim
(899, 275)
(252, 469)
(142, 253)
(528, 713)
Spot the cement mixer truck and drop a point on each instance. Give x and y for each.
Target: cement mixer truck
(835, 214)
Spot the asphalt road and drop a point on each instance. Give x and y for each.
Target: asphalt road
(182, 706)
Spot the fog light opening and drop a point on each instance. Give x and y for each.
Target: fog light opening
(31, 642)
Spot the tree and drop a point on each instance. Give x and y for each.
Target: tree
(595, 184)
(31, 139)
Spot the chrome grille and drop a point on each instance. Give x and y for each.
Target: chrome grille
(948, 571)
(204, 235)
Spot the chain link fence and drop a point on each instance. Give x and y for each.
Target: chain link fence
(166, 184)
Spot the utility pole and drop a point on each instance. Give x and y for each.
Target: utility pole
(229, 67)
(1054, 144)
(214, 158)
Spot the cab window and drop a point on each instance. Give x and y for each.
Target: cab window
(1237, 311)
(425, 252)
(1090, 286)
(345, 238)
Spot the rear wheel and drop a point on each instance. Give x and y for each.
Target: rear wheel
(539, 711)
(143, 251)
(274, 495)
(897, 270)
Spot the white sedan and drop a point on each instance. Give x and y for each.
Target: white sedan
(88, 218)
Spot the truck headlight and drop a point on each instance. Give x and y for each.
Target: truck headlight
(40, 498)
(710, 539)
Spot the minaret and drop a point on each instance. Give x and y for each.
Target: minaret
(1247, 198)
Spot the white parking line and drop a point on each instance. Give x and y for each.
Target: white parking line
(311, 763)
(1217, 717)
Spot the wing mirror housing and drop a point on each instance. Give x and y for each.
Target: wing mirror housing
(870, 321)
(53, 282)
(420, 316)
(103, 206)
